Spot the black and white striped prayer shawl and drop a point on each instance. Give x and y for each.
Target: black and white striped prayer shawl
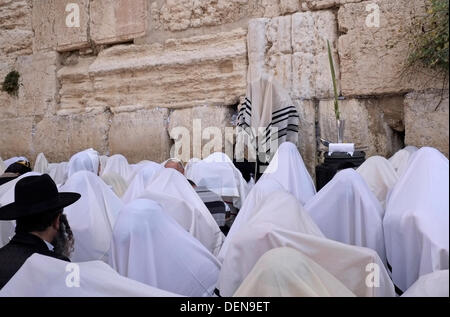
(283, 127)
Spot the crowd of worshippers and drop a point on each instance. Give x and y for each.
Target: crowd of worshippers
(200, 229)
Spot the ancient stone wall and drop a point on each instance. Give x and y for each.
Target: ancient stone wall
(121, 74)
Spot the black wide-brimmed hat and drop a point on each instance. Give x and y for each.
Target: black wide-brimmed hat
(35, 195)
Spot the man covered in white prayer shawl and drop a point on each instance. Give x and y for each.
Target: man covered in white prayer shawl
(399, 160)
(380, 176)
(218, 173)
(87, 160)
(116, 182)
(118, 164)
(435, 284)
(177, 197)
(43, 276)
(41, 164)
(286, 272)
(347, 211)
(91, 218)
(286, 172)
(289, 170)
(267, 118)
(417, 219)
(283, 222)
(149, 246)
(58, 172)
(144, 175)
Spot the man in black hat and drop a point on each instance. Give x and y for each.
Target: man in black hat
(15, 170)
(41, 226)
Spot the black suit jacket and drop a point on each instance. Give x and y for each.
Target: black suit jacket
(18, 250)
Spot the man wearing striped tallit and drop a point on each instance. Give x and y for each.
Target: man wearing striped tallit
(267, 118)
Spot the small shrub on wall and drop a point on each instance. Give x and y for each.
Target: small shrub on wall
(11, 83)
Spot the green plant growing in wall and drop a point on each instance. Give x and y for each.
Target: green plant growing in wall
(333, 77)
(11, 83)
(429, 41)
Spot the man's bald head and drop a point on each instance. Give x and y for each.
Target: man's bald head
(176, 165)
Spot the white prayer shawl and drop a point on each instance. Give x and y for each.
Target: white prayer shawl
(58, 172)
(149, 246)
(92, 217)
(43, 276)
(282, 222)
(347, 211)
(140, 181)
(177, 197)
(288, 169)
(435, 284)
(116, 182)
(417, 216)
(7, 197)
(260, 191)
(13, 160)
(380, 176)
(286, 272)
(400, 159)
(103, 160)
(2, 166)
(87, 160)
(218, 173)
(41, 164)
(118, 164)
(267, 105)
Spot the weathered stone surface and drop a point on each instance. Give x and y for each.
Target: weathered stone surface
(61, 136)
(140, 134)
(115, 21)
(204, 126)
(16, 35)
(324, 4)
(183, 14)
(372, 59)
(294, 49)
(43, 22)
(307, 134)
(289, 6)
(364, 125)
(201, 70)
(70, 38)
(76, 86)
(427, 120)
(38, 90)
(50, 27)
(15, 137)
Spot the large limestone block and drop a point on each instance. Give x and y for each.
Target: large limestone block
(204, 129)
(76, 87)
(38, 90)
(51, 30)
(307, 133)
(69, 37)
(15, 137)
(115, 21)
(16, 34)
(427, 120)
(324, 4)
(372, 59)
(183, 14)
(61, 136)
(208, 69)
(364, 125)
(140, 134)
(294, 49)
